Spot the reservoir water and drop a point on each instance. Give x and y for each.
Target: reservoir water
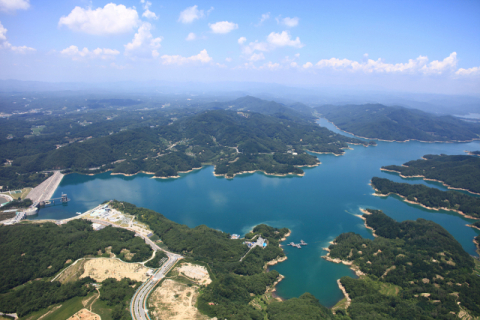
(316, 207)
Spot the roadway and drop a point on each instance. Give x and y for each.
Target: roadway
(138, 305)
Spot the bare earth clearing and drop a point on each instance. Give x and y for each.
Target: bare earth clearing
(84, 314)
(195, 272)
(176, 301)
(104, 268)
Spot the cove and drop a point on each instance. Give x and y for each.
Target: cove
(316, 207)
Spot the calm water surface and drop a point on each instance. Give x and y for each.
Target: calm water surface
(316, 207)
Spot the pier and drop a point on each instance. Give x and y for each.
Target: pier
(298, 245)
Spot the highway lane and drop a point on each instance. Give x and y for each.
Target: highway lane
(138, 305)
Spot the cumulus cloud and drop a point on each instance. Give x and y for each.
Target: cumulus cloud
(274, 40)
(3, 33)
(191, 36)
(420, 65)
(76, 54)
(191, 14)
(256, 46)
(289, 22)
(283, 39)
(228, 59)
(111, 19)
(264, 17)
(308, 65)
(4, 44)
(271, 66)
(257, 56)
(468, 72)
(147, 13)
(13, 5)
(241, 40)
(143, 43)
(223, 27)
(202, 57)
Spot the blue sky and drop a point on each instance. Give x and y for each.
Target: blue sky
(421, 46)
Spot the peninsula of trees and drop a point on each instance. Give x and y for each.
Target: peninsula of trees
(456, 171)
(431, 198)
(376, 121)
(413, 270)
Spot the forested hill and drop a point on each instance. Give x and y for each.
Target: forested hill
(430, 197)
(233, 141)
(296, 112)
(414, 270)
(457, 171)
(376, 121)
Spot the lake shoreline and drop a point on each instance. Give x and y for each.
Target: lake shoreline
(403, 141)
(427, 179)
(378, 194)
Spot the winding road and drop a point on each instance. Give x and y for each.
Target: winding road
(138, 305)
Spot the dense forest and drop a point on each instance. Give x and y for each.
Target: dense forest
(376, 121)
(414, 270)
(247, 134)
(457, 171)
(40, 294)
(31, 251)
(430, 197)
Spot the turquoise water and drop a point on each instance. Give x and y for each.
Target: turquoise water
(316, 207)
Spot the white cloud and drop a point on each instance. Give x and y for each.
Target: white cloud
(12, 5)
(307, 65)
(223, 27)
(257, 56)
(439, 67)
(111, 19)
(228, 59)
(256, 46)
(420, 65)
(202, 57)
(147, 13)
(272, 66)
(143, 43)
(4, 44)
(283, 39)
(77, 54)
(274, 40)
(191, 14)
(468, 72)
(241, 40)
(191, 36)
(293, 64)
(3, 33)
(289, 22)
(21, 50)
(264, 17)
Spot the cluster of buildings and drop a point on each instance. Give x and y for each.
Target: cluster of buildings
(262, 243)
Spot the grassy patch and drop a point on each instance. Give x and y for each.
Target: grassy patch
(102, 309)
(73, 273)
(59, 311)
(37, 130)
(477, 266)
(341, 305)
